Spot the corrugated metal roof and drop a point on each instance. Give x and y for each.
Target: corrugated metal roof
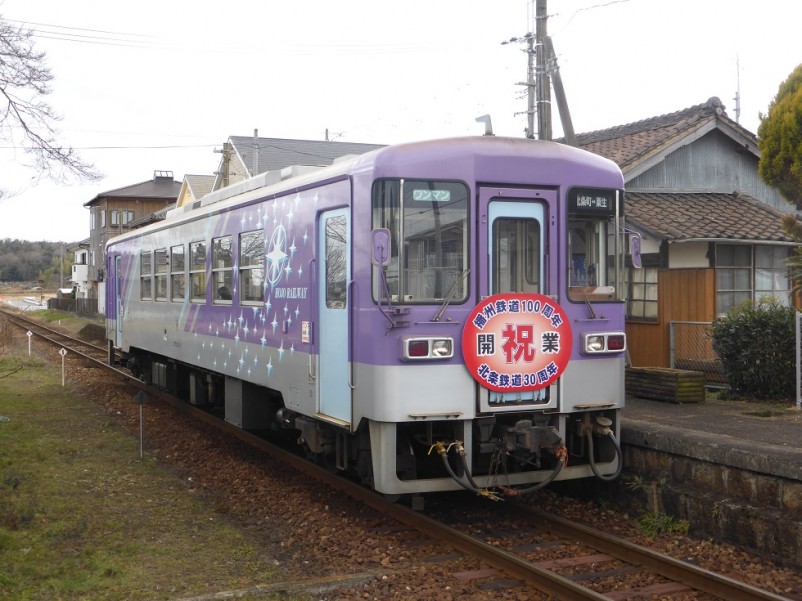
(277, 153)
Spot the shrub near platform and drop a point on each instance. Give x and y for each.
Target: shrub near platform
(756, 345)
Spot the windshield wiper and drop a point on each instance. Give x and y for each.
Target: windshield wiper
(452, 292)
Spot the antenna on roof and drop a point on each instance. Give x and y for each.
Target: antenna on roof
(737, 98)
(255, 169)
(488, 125)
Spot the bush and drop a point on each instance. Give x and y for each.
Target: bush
(757, 347)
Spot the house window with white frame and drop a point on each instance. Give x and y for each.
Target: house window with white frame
(748, 273)
(120, 216)
(771, 273)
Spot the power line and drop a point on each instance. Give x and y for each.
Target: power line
(157, 147)
(138, 35)
(87, 36)
(80, 35)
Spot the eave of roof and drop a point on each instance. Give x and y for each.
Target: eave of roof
(154, 189)
(699, 216)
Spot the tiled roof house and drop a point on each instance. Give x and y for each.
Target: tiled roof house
(711, 232)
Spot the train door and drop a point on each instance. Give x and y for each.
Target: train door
(118, 300)
(515, 236)
(334, 274)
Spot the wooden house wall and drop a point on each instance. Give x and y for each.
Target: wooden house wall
(683, 295)
(713, 163)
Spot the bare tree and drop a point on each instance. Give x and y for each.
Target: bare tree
(26, 120)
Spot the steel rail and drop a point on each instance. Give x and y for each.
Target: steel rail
(674, 569)
(24, 322)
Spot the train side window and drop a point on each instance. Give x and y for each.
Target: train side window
(146, 276)
(160, 267)
(222, 266)
(252, 267)
(197, 271)
(178, 287)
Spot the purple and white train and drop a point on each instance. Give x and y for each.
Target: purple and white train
(430, 316)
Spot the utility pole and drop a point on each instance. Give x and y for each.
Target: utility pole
(543, 86)
(559, 93)
(530, 86)
(224, 172)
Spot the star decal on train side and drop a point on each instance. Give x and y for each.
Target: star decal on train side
(276, 256)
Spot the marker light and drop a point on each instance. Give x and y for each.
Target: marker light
(418, 349)
(604, 342)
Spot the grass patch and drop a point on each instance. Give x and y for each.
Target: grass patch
(82, 517)
(653, 524)
(68, 322)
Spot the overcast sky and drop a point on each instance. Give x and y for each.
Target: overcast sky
(148, 85)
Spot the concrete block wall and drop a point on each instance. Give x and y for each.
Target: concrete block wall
(738, 492)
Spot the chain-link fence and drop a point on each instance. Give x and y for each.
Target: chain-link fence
(692, 349)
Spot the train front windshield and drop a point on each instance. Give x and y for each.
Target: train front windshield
(428, 223)
(595, 245)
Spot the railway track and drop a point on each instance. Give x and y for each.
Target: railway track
(82, 348)
(537, 550)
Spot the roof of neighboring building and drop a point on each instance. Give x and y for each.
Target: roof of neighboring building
(633, 144)
(80, 245)
(683, 217)
(277, 153)
(161, 187)
(199, 185)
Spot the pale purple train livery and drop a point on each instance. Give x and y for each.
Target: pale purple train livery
(389, 312)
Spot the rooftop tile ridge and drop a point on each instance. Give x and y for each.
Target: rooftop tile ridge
(712, 107)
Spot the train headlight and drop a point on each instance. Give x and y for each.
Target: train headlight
(604, 342)
(594, 344)
(442, 348)
(429, 347)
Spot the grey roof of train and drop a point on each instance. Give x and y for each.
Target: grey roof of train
(278, 153)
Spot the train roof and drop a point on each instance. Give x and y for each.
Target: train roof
(502, 160)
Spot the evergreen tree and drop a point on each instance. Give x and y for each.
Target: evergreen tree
(780, 140)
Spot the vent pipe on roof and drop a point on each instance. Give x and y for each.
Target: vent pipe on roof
(255, 168)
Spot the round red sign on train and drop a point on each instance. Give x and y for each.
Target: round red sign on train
(514, 342)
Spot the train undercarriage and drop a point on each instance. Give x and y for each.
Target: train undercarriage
(495, 455)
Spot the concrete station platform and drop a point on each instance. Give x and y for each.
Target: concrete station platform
(733, 469)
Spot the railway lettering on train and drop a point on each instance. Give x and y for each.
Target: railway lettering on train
(430, 316)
